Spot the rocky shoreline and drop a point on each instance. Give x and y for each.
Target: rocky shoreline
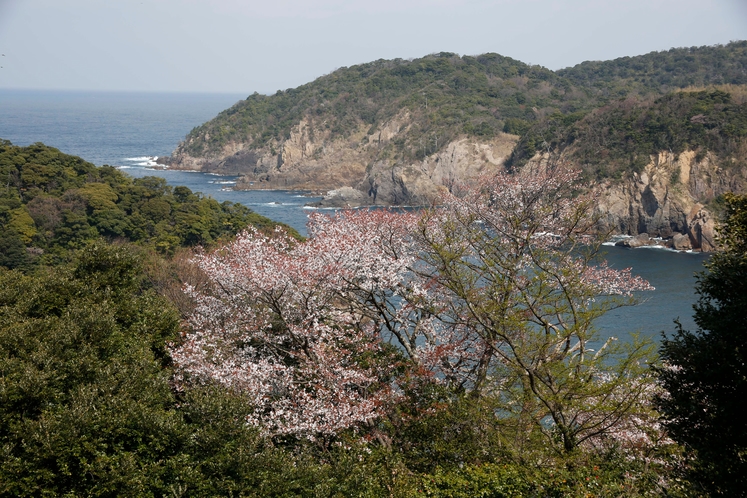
(698, 234)
(699, 237)
(678, 242)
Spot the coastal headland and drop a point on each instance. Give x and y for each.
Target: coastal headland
(660, 136)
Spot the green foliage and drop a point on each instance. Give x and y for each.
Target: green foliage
(87, 407)
(489, 480)
(86, 403)
(608, 476)
(660, 72)
(83, 397)
(13, 251)
(439, 429)
(448, 96)
(705, 374)
(52, 203)
(618, 139)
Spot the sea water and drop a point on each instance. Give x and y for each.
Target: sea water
(106, 127)
(129, 130)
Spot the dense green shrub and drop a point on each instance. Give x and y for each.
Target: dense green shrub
(448, 96)
(52, 203)
(705, 376)
(618, 139)
(86, 401)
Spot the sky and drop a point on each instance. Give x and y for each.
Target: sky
(243, 46)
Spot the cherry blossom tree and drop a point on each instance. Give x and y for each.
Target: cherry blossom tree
(278, 322)
(518, 257)
(492, 293)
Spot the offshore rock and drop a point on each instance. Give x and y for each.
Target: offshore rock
(640, 240)
(345, 197)
(701, 229)
(681, 242)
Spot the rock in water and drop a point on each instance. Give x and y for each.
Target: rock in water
(343, 198)
(681, 242)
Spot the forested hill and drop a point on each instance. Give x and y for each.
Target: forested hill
(448, 96)
(402, 132)
(660, 72)
(620, 138)
(52, 204)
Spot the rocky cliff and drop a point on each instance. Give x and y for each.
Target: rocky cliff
(399, 132)
(671, 199)
(356, 170)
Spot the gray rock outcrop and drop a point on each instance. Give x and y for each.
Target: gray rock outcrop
(309, 159)
(667, 199)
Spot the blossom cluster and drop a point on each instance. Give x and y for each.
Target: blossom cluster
(461, 290)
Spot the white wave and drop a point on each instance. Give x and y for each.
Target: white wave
(278, 204)
(141, 158)
(658, 248)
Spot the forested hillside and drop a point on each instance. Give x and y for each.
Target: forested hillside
(448, 96)
(52, 204)
(619, 138)
(389, 354)
(661, 72)
(146, 349)
(402, 132)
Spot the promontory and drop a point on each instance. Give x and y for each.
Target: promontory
(662, 135)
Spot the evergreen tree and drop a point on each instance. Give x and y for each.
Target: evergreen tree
(705, 374)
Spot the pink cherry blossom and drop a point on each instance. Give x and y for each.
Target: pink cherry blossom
(498, 278)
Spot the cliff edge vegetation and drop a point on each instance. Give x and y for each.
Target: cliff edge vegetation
(399, 132)
(662, 163)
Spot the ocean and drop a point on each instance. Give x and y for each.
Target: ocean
(129, 130)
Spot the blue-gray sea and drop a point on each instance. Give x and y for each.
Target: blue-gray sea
(128, 130)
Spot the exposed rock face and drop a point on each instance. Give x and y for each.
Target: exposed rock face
(344, 197)
(419, 183)
(356, 170)
(306, 160)
(668, 198)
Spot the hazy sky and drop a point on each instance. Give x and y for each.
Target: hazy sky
(248, 45)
